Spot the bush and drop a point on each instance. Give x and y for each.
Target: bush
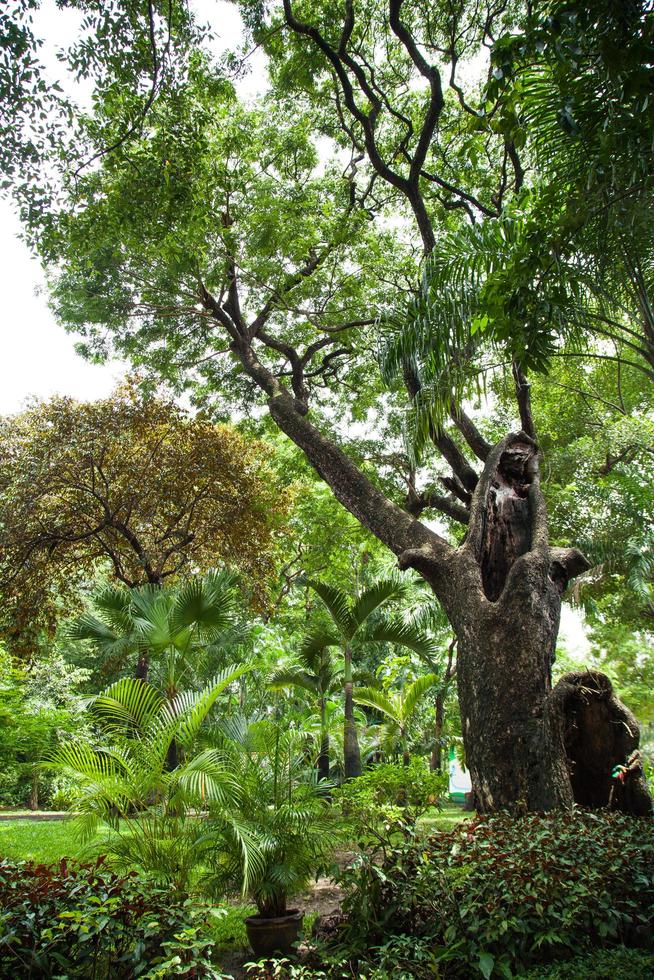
(83, 921)
(499, 895)
(387, 799)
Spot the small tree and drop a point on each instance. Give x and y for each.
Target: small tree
(127, 782)
(352, 627)
(174, 626)
(398, 708)
(317, 675)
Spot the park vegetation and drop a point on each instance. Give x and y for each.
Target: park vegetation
(391, 344)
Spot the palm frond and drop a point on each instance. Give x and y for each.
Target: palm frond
(403, 634)
(295, 678)
(130, 703)
(339, 606)
(371, 598)
(372, 698)
(414, 694)
(206, 778)
(184, 716)
(314, 643)
(207, 602)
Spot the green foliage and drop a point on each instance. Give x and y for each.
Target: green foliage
(146, 777)
(38, 707)
(388, 798)
(397, 709)
(175, 628)
(601, 964)
(605, 964)
(499, 895)
(280, 832)
(83, 921)
(567, 258)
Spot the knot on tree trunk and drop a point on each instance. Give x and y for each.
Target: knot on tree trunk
(507, 532)
(601, 737)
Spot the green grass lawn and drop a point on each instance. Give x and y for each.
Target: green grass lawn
(48, 841)
(43, 842)
(445, 819)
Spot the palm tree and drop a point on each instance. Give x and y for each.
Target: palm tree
(282, 828)
(398, 709)
(126, 780)
(175, 627)
(352, 627)
(317, 674)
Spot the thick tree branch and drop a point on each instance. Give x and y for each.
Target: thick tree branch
(523, 395)
(471, 434)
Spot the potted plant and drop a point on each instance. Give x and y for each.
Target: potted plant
(282, 834)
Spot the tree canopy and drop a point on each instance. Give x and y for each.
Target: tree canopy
(133, 484)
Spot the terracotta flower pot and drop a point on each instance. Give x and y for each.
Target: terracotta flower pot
(273, 935)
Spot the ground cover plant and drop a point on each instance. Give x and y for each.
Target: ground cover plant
(498, 895)
(80, 920)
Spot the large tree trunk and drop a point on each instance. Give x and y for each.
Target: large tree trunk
(515, 757)
(502, 592)
(351, 752)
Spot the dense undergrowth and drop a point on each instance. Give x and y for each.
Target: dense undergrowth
(82, 921)
(496, 897)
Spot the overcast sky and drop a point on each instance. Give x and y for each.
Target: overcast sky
(38, 356)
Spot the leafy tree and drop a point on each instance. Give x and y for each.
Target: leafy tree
(215, 230)
(398, 709)
(352, 628)
(134, 482)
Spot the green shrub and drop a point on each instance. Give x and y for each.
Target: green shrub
(387, 799)
(80, 921)
(605, 964)
(499, 895)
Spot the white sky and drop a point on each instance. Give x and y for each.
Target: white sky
(38, 356)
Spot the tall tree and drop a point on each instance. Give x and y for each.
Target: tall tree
(215, 227)
(353, 627)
